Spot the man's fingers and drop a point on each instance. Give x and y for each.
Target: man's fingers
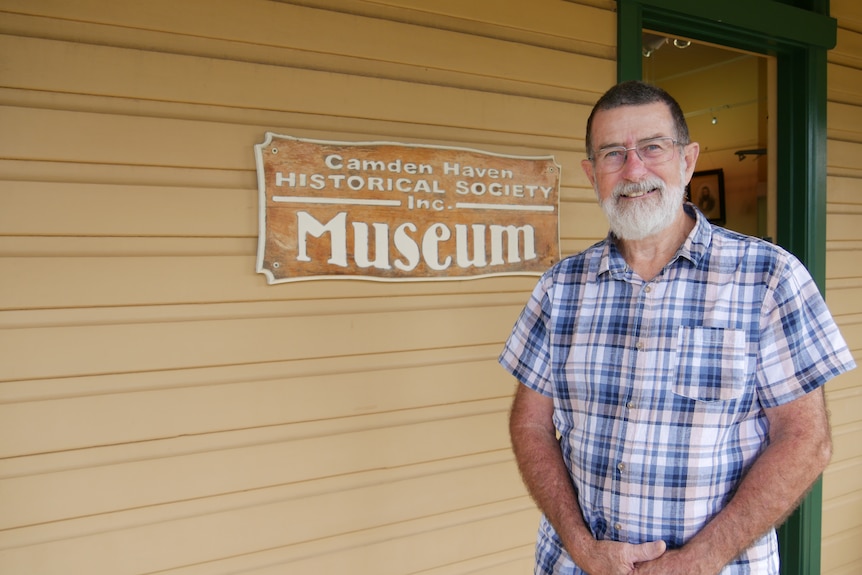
(647, 551)
(617, 558)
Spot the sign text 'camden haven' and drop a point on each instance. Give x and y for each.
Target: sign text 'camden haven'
(399, 212)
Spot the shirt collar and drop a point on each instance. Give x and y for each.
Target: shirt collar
(693, 248)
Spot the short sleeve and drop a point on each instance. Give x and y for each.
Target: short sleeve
(801, 347)
(527, 352)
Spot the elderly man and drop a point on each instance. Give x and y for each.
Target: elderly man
(670, 410)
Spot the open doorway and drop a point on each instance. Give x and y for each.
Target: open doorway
(796, 35)
(725, 95)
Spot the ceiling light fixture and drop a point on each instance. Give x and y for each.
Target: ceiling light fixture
(652, 42)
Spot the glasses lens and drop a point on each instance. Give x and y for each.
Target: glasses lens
(611, 159)
(656, 151)
(651, 152)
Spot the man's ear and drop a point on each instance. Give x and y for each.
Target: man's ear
(587, 165)
(690, 153)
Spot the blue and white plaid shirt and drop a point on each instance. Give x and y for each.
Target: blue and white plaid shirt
(659, 387)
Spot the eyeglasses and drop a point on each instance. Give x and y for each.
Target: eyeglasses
(652, 152)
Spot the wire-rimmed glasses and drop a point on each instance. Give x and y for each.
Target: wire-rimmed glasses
(652, 152)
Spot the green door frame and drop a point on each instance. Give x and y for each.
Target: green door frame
(798, 39)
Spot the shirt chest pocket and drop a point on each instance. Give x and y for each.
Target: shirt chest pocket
(711, 363)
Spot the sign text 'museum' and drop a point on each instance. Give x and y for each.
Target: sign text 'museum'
(400, 212)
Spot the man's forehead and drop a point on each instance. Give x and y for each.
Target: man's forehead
(624, 122)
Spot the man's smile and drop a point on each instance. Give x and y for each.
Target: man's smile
(638, 193)
(635, 191)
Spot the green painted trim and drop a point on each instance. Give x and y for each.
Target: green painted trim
(799, 40)
(801, 150)
(802, 230)
(801, 215)
(779, 22)
(799, 537)
(629, 43)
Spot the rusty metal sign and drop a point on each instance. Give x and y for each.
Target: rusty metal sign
(402, 212)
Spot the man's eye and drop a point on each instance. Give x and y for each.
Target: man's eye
(611, 154)
(652, 148)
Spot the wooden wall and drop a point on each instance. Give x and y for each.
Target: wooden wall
(842, 482)
(164, 410)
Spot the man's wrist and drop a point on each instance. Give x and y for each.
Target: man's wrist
(701, 558)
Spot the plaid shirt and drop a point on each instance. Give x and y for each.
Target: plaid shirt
(659, 387)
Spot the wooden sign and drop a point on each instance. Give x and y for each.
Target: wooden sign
(402, 212)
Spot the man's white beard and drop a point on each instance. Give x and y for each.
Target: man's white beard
(641, 218)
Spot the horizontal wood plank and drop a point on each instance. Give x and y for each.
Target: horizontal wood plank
(844, 300)
(150, 345)
(187, 278)
(568, 20)
(53, 425)
(44, 498)
(841, 514)
(184, 541)
(424, 44)
(842, 553)
(848, 49)
(847, 441)
(841, 478)
(123, 73)
(114, 210)
(844, 227)
(843, 191)
(844, 121)
(59, 136)
(542, 81)
(438, 552)
(844, 82)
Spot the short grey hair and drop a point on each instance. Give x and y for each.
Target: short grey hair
(637, 93)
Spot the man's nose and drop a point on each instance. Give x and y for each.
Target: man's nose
(633, 164)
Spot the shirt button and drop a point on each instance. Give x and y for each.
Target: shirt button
(621, 466)
(630, 405)
(639, 345)
(618, 526)
(648, 289)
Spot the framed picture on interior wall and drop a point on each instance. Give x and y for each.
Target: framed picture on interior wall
(706, 191)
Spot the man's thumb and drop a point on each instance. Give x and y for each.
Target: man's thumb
(649, 551)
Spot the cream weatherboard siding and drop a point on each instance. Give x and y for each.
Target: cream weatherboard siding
(842, 482)
(164, 410)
